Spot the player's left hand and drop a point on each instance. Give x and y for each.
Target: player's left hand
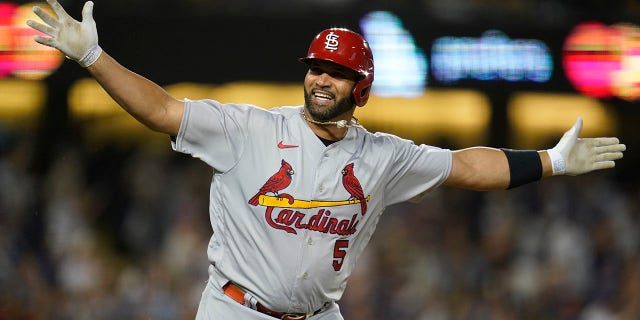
(573, 156)
(77, 40)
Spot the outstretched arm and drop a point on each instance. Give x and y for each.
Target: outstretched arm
(143, 99)
(483, 168)
(479, 168)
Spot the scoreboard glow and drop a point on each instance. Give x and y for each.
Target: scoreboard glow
(493, 56)
(401, 66)
(20, 56)
(604, 61)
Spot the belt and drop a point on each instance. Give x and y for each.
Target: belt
(242, 297)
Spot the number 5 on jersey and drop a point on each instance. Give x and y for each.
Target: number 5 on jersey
(339, 252)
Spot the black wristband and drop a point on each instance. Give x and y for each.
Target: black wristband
(524, 166)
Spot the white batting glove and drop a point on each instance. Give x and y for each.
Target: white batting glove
(77, 40)
(573, 156)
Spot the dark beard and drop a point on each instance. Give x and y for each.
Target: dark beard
(327, 114)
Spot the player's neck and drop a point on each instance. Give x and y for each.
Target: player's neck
(328, 132)
(333, 130)
(326, 142)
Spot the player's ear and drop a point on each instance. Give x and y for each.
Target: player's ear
(364, 92)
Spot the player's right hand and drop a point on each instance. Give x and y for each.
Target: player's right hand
(77, 40)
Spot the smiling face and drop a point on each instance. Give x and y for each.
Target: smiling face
(328, 89)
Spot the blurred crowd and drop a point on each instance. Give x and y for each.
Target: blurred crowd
(562, 248)
(120, 231)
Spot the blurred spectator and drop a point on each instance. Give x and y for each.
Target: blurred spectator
(121, 240)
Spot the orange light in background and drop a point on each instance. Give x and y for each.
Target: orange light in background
(604, 61)
(20, 102)
(459, 116)
(539, 119)
(626, 80)
(20, 55)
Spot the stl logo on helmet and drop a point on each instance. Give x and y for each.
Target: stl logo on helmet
(332, 41)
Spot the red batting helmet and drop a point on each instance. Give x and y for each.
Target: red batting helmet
(348, 49)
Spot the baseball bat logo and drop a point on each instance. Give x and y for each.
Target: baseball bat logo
(289, 219)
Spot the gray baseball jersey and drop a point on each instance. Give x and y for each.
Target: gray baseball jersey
(290, 216)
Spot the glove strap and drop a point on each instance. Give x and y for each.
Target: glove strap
(558, 164)
(91, 56)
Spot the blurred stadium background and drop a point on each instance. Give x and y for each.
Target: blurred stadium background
(100, 220)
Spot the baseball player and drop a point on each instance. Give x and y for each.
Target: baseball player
(297, 191)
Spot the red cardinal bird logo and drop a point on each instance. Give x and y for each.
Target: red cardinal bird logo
(277, 182)
(352, 185)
